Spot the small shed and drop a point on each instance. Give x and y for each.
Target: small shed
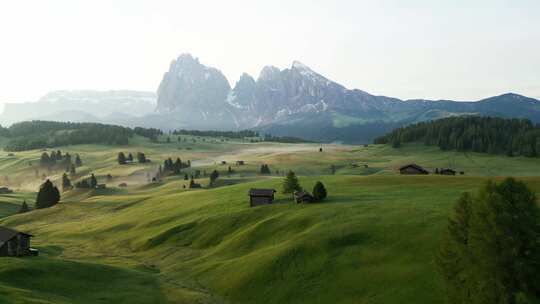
(5, 190)
(259, 197)
(14, 243)
(411, 169)
(447, 171)
(240, 163)
(303, 197)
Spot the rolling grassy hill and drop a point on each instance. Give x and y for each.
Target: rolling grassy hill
(372, 241)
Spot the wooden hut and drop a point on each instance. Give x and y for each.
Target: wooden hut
(412, 169)
(303, 197)
(259, 197)
(15, 243)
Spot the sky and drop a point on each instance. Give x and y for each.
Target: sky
(461, 50)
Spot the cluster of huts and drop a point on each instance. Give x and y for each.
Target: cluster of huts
(258, 197)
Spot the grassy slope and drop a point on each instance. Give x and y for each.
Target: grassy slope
(371, 242)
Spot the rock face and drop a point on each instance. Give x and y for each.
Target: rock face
(297, 101)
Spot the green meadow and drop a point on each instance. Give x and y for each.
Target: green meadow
(372, 241)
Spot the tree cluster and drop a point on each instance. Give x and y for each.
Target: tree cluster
(48, 195)
(477, 134)
(490, 253)
(175, 167)
(265, 169)
(46, 134)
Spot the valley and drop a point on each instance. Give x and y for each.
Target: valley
(373, 240)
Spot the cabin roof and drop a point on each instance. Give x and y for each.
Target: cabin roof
(7, 234)
(415, 166)
(261, 192)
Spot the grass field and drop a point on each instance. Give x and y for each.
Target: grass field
(372, 241)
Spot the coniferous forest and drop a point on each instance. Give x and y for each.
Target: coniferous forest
(37, 134)
(513, 137)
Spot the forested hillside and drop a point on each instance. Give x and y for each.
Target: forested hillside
(42, 134)
(478, 134)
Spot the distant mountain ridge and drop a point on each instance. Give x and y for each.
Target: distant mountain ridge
(82, 106)
(295, 101)
(298, 101)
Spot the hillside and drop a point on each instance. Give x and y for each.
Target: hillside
(372, 241)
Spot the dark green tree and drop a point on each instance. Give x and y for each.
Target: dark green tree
(48, 195)
(24, 207)
(291, 184)
(78, 161)
(130, 157)
(141, 158)
(93, 181)
(121, 158)
(213, 177)
(66, 183)
(490, 253)
(319, 191)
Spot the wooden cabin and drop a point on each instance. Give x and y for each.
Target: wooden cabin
(14, 243)
(303, 197)
(412, 169)
(5, 190)
(259, 197)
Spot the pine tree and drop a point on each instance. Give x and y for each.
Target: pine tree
(78, 161)
(48, 195)
(141, 158)
(130, 158)
(291, 184)
(229, 171)
(45, 159)
(333, 169)
(121, 158)
(93, 181)
(66, 183)
(213, 177)
(72, 170)
(24, 207)
(319, 191)
(490, 253)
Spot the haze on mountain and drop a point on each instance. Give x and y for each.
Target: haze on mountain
(295, 101)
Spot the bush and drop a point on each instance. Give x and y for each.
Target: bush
(319, 192)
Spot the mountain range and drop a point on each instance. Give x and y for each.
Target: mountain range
(296, 101)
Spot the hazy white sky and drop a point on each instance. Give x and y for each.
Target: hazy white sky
(456, 49)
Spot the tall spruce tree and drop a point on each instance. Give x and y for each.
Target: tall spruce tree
(78, 160)
(24, 207)
(490, 253)
(66, 183)
(121, 158)
(93, 181)
(291, 184)
(213, 177)
(48, 195)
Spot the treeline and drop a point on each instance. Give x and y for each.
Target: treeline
(284, 139)
(150, 133)
(228, 134)
(38, 134)
(46, 134)
(478, 134)
(4, 132)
